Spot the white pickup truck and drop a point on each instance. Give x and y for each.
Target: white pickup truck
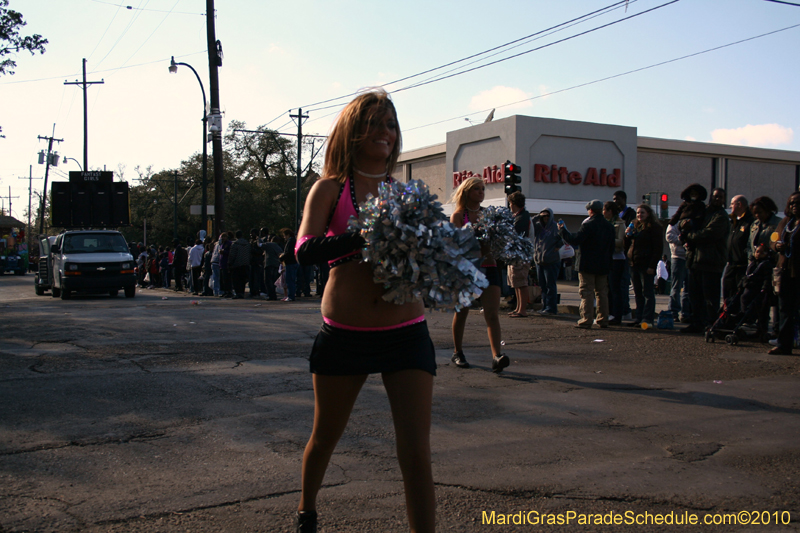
(96, 261)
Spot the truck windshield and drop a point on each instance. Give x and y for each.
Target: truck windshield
(91, 243)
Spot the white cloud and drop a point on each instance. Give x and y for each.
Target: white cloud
(275, 49)
(759, 135)
(498, 96)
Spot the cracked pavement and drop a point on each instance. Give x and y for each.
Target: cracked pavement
(155, 415)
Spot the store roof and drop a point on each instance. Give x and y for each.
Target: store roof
(10, 222)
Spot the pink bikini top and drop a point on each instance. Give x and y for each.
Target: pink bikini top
(342, 212)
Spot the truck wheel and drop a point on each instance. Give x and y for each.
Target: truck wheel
(55, 291)
(65, 294)
(130, 292)
(39, 290)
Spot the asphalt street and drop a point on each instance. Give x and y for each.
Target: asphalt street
(168, 412)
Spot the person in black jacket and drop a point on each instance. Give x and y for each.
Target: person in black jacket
(179, 260)
(787, 247)
(596, 240)
(239, 264)
(706, 255)
(644, 244)
(738, 246)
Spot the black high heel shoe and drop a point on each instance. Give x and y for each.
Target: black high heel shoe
(306, 522)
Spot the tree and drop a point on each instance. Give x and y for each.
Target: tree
(264, 163)
(10, 40)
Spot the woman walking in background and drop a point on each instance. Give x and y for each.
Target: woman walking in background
(467, 199)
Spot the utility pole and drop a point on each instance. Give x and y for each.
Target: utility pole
(30, 179)
(46, 173)
(299, 116)
(85, 85)
(214, 62)
(9, 201)
(175, 209)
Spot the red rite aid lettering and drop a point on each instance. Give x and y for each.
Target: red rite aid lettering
(493, 174)
(556, 174)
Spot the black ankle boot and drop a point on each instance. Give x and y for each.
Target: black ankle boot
(306, 522)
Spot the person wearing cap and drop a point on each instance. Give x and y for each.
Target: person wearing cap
(596, 240)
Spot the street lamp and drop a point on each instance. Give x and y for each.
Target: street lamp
(173, 68)
(72, 158)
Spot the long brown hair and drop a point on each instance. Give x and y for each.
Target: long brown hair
(650, 221)
(345, 138)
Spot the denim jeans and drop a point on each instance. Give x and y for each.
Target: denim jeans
(626, 289)
(270, 277)
(644, 294)
(548, 274)
(679, 295)
(217, 280)
(291, 280)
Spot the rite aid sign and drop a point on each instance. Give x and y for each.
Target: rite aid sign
(549, 174)
(561, 160)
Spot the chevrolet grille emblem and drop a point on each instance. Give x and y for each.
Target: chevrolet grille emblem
(101, 268)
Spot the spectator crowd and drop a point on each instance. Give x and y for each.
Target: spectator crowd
(712, 266)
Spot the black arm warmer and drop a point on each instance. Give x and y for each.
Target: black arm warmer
(321, 249)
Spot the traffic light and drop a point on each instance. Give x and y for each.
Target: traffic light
(646, 198)
(664, 206)
(511, 177)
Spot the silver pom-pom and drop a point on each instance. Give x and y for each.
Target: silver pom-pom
(416, 253)
(495, 227)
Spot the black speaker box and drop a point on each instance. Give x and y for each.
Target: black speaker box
(120, 204)
(60, 210)
(101, 204)
(81, 199)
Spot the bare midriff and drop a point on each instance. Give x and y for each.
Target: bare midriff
(353, 299)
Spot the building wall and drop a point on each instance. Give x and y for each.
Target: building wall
(671, 173)
(761, 178)
(432, 172)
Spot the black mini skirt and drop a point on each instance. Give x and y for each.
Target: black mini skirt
(343, 352)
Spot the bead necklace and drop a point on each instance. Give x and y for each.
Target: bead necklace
(373, 176)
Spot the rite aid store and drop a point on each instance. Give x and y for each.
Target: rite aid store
(567, 163)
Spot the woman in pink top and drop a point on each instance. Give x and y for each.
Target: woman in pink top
(362, 333)
(467, 199)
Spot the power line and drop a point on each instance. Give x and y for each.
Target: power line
(783, 2)
(607, 8)
(61, 77)
(154, 10)
(152, 33)
(534, 49)
(444, 77)
(612, 77)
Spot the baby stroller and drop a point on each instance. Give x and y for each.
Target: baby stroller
(738, 311)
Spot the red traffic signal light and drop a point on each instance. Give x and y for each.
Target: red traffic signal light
(511, 177)
(664, 197)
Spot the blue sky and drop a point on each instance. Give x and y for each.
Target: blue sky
(283, 55)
